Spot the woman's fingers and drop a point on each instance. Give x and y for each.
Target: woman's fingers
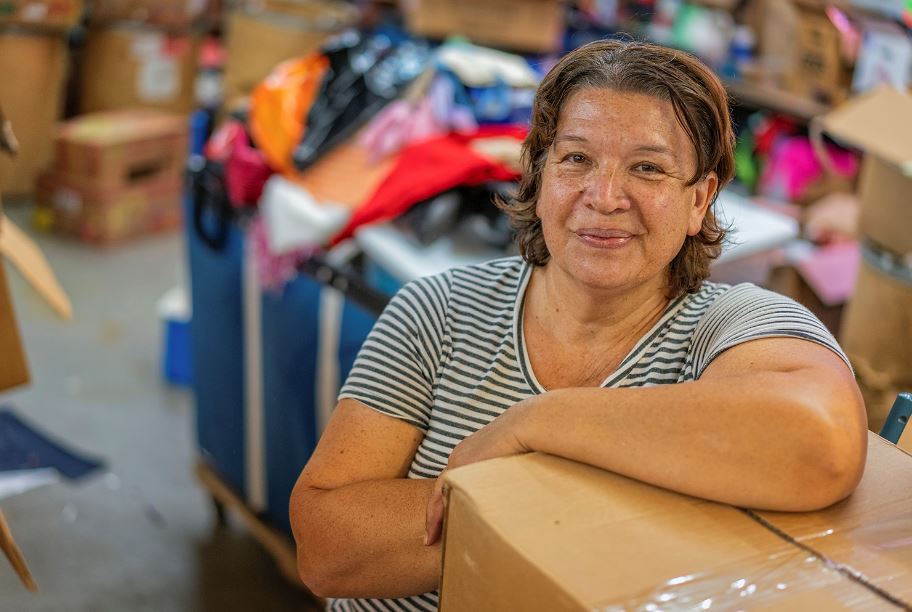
(433, 524)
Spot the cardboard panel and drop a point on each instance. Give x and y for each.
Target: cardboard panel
(870, 533)
(886, 205)
(534, 25)
(138, 67)
(13, 367)
(875, 122)
(258, 41)
(876, 334)
(32, 71)
(539, 532)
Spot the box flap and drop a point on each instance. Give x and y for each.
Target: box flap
(877, 122)
(31, 263)
(905, 440)
(118, 127)
(555, 534)
(869, 533)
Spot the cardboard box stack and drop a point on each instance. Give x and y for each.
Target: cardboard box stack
(172, 15)
(129, 66)
(33, 71)
(117, 175)
(521, 25)
(876, 329)
(260, 35)
(537, 532)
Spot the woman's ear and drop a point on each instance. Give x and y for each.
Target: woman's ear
(703, 195)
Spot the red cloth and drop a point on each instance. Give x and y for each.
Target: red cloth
(431, 167)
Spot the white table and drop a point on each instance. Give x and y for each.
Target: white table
(755, 230)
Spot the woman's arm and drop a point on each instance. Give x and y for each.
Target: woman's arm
(358, 522)
(775, 423)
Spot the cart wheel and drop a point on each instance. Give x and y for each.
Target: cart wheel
(221, 516)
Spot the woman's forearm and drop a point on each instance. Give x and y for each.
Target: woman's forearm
(763, 441)
(365, 539)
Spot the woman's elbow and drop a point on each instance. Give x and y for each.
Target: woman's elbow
(312, 568)
(837, 467)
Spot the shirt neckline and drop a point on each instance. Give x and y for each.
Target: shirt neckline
(522, 354)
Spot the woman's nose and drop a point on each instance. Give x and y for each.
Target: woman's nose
(608, 191)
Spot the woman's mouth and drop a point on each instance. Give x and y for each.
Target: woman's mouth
(604, 238)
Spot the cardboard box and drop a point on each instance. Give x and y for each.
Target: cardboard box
(876, 334)
(818, 69)
(115, 148)
(905, 440)
(118, 175)
(105, 215)
(539, 532)
(41, 14)
(259, 40)
(33, 69)
(128, 67)
(867, 534)
(169, 14)
(522, 25)
(878, 124)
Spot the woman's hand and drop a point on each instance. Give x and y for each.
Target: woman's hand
(499, 438)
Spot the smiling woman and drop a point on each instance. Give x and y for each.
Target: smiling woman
(602, 343)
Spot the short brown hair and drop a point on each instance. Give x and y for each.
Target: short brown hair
(701, 106)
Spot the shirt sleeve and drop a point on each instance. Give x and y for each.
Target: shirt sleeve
(747, 312)
(396, 369)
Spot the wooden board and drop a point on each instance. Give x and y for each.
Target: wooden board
(276, 543)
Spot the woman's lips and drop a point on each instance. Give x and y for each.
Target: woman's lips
(604, 238)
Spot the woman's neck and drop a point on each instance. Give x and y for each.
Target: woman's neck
(576, 313)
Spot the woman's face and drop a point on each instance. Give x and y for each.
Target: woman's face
(614, 204)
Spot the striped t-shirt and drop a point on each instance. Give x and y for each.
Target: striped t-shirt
(447, 356)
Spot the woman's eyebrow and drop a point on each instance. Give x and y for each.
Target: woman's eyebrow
(655, 148)
(570, 138)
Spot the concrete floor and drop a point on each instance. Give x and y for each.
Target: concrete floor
(142, 534)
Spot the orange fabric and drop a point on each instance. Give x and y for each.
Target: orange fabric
(279, 107)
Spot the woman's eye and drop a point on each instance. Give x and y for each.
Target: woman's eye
(650, 168)
(576, 158)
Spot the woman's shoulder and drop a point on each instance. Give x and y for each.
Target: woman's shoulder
(497, 275)
(746, 306)
(495, 279)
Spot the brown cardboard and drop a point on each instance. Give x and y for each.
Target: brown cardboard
(905, 440)
(13, 365)
(114, 148)
(102, 214)
(126, 67)
(537, 532)
(878, 123)
(33, 71)
(43, 14)
(168, 14)
(259, 40)
(818, 71)
(524, 25)
(876, 334)
(25, 255)
(868, 533)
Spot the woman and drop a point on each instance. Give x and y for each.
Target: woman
(603, 343)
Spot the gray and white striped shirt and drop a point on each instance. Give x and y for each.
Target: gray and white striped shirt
(448, 356)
